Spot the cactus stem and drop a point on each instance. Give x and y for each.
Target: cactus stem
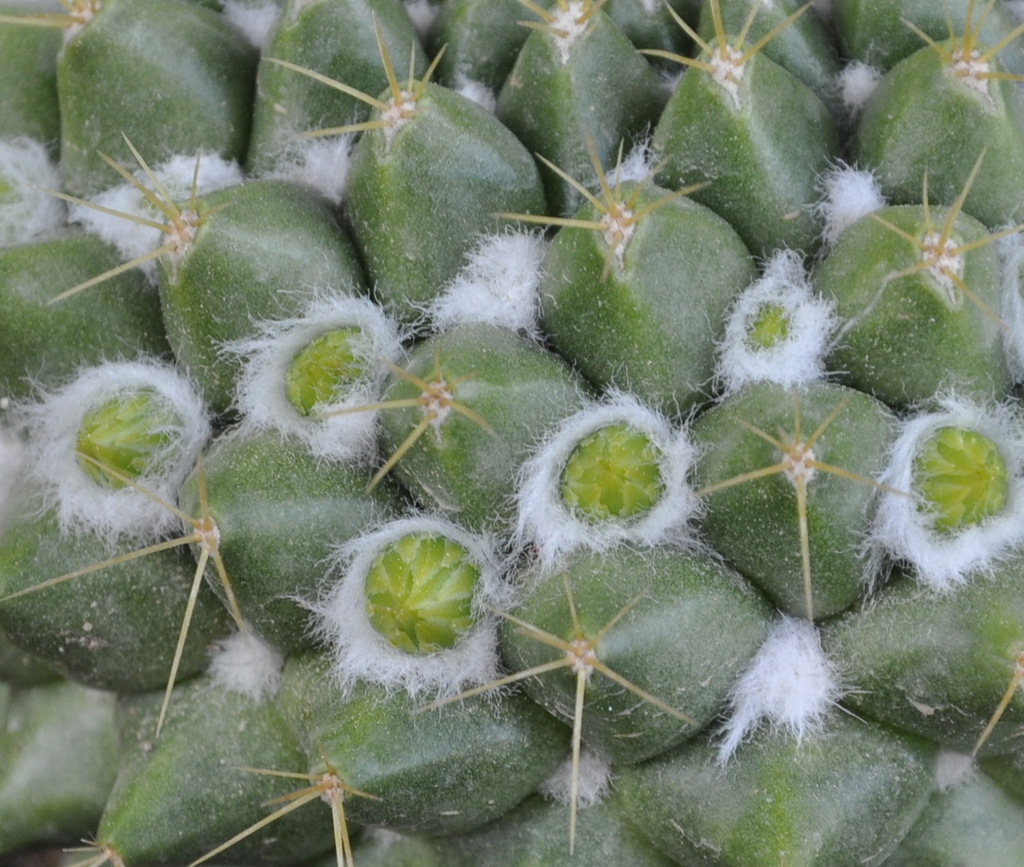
(941, 254)
(799, 465)
(619, 214)
(1011, 691)
(436, 400)
(394, 113)
(972, 66)
(181, 226)
(579, 655)
(205, 534)
(566, 24)
(327, 786)
(727, 60)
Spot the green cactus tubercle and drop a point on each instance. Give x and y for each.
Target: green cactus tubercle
(769, 327)
(320, 371)
(126, 432)
(961, 477)
(419, 592)
(612, 473)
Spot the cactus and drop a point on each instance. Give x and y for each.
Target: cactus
(504, 432)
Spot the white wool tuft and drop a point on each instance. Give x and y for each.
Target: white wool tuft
(362, 653)
(83, 505)
(790, 683)
(847, 195)
(423, 14)
(497, 285)
(1011, 251)
(857, 81)
(794, 361)
(246, 664)
(944, 560)
(26, 209)
(261, 395)
(321, 164)
(546, 525)
(638, 166)
(133, 239)
(476, 91)
(953, 769)
(595, 779)
(255, 19)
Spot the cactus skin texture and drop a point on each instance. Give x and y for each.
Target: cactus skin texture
(608, 441)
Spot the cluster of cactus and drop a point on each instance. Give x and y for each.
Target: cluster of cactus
(498, 432)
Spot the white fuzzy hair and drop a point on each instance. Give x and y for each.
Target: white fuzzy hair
(547, 525)
(497, 285)
(423, 14)
(361, 653)
(254, 19)
(244, 663)
(954, 769)
(638, 165)
(1011, 252)
(477, 92)
(27, 210)
(261, 395)
(321, 164)
(83, 505)
(799, 357)
(857, 81)
(595, 779)
(133, 239)
(790, 684)
(847, 195)
(904, 531)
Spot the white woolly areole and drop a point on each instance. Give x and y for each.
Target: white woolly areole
(497, 285)
(953, 769)
(857, 81)
(423, 14)
(547, 525)
(83, 505)
(133, 239)
(944, 560)
(321, 164)
(566, 26)
(255, 19)
(790, 684)
(476, 91)
(1011, 312)
(796, 359)
(261, 395)
(244, 663)
(847, 195)
(26, 210)
(362, 653)
(595, 779)
(637, 167)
